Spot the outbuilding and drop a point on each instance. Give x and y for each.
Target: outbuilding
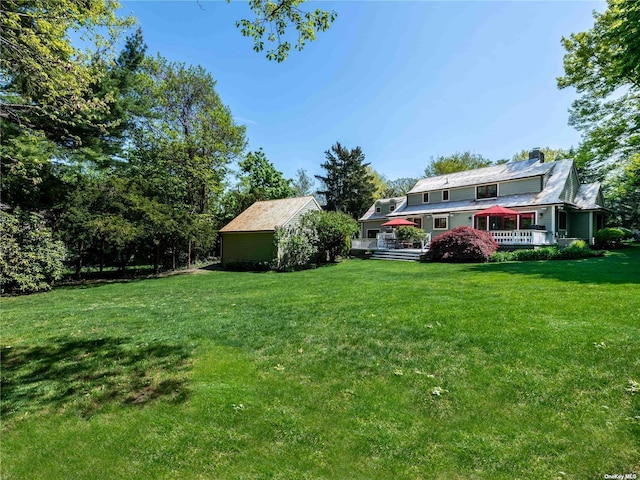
(249, 237)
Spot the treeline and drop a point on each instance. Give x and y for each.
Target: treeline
(122, 157)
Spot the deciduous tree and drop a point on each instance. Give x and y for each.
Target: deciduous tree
(274, 19)
(603, 65)
(457, 162)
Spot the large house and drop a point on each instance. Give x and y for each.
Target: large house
(527, 202)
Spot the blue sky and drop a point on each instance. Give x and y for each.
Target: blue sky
(404, 80)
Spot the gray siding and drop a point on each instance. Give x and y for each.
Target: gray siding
(579, 225)
(414, 199)
(527, 185)
(310, 206)
(546, 218)
(571, 187)
(247, 247)
(466, 193)
(370, 226)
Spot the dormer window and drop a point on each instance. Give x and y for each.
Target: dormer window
(378, 209)
(392, 208)
(445, 195)
(487, 191)
(425, 197)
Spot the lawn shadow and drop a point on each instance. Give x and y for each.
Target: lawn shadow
(88, 375)
(619, 267)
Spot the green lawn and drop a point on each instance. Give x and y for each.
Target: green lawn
(365, 369)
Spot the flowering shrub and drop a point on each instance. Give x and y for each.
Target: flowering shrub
(462, 244)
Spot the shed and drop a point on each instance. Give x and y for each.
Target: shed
(249, 236)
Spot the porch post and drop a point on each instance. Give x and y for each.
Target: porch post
(553, 220)
(591, 228)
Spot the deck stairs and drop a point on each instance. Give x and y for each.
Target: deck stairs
(403, 255)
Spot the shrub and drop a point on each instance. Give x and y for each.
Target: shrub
(577, 249)
(628, 233)
(410, 234)
(609, 238)
(30, 259)
(462, 244)
(542, 253)
(296, 248)
(332, 233)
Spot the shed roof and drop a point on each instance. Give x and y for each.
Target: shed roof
(266, 215)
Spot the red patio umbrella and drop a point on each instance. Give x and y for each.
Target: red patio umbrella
(496, 211)
(399, 222)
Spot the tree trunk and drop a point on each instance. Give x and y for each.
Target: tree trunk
(79, 262)
(189, 255)
(173, 264)
(101, 256)
(156, 260)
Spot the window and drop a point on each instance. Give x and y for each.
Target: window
(481, 223)
(425, 198)
(487, 191)
(526, 220)
(392, 208)
(378, 209)
(417, 221)
(372, 233)
(445, 195)
(562, 220)
(440, 223)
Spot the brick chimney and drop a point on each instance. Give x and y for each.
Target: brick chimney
(536, 153)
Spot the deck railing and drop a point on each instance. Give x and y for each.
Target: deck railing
(520, 237)
(364, 243)
(384, 241)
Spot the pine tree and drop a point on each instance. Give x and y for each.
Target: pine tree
(348, 184)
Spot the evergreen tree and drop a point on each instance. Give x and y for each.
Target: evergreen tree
(348, 185)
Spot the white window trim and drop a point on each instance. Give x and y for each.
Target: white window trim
(428, 197)
(446, 217)
(448, 195)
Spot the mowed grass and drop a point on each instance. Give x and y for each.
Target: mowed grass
(362, 370)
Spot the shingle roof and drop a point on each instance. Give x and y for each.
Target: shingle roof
(587, 196)
(551, 193)
(265, 216)
(496, 173)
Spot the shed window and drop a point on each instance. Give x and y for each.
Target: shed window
(487, 191)
(425, 197)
